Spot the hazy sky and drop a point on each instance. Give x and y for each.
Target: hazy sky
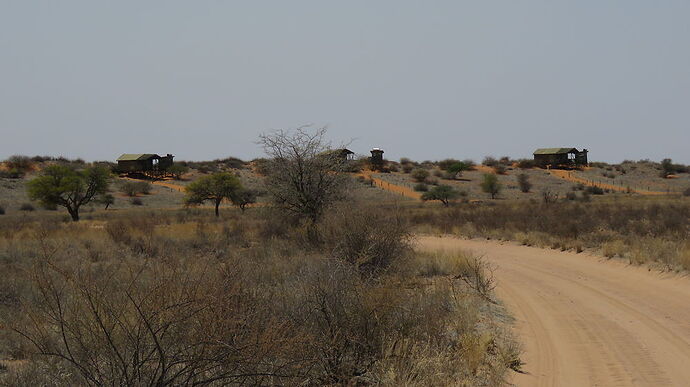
(422, 79)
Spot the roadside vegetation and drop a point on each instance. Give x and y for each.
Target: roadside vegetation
(641, 230)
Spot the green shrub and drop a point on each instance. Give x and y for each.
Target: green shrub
(491, 185)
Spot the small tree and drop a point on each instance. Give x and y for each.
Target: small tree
(443, 193)
(107, 200)
(491, 185)
(524, 183)
(420, 174)
(214, 187)
(67, 187)
(302, 180)
(456, 169)
(177, 170)
(667, 167)
(244, 197)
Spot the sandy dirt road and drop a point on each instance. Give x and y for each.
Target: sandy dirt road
(588, 321)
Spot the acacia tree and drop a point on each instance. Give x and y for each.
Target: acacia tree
(443, 193)
(244, 197)
(177, 170)
(491, 185)
(304, 175)
(61, 185)
(215, 187)
(456, 169)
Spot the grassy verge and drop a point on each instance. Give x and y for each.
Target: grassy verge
(641, 230)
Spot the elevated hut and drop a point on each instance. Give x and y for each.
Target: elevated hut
(145, 163)
(560, 157)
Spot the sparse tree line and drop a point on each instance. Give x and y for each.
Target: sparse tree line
(317, 181)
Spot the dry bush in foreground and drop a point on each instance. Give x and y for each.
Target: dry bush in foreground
(180, 298)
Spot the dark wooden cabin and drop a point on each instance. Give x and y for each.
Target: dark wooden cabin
(377, 158)
(143, 162)
(560, 157)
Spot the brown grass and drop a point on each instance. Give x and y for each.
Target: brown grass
(179, 297)
(641, 230)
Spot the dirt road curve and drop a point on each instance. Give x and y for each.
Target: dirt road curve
(587, 321)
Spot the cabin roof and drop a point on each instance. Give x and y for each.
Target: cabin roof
(554, 151)
(137, 156)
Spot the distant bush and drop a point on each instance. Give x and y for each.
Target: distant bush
(420, 174)
(132, 188)
(11, 174)
(598, 164)
(490, 161)
(20, 163)
(26, 207)
(594, 190)
(407, 168)
(668, 168)
(507, 161)
(2, 210)
(549, 196)
(445, 164)
(500, 169)
(571, 195)
(526, 164)
(231, 162)
(136, 202)
(261, 166)
(421, 187)
(524, 183)
(469, 163)
(177, 170)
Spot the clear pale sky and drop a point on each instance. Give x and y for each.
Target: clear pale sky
(422, 79)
